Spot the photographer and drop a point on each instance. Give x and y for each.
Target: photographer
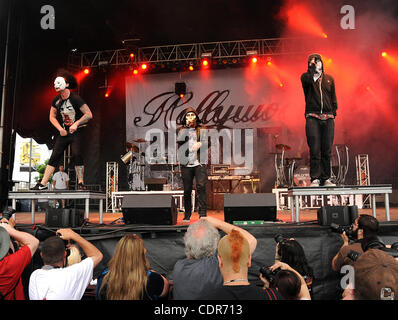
(14, 259)
(289, 283)
(55, 281)
(292, 253)
(364, 229)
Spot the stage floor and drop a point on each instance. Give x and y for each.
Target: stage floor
(109, 218)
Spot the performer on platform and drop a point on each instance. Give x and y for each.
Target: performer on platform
(192, 164)
(320, 112)
(74, 117)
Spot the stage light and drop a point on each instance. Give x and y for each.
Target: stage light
(132, 55)
(144, 66)
(135, 71)
(269, 63)
(190, 68)
(86, 71)
(107, 95)
(325, 35)
(205, 62)
(180, 88)
(254, 60)
(384, 54)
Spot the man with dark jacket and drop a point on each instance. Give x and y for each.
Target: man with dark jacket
(192, 141)
(320, 112)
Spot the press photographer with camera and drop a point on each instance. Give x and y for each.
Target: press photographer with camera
(57, 281)
(16, 251)
(289, 283)
(365, 228)
(291, 252)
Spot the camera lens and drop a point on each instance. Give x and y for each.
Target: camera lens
(278, 238)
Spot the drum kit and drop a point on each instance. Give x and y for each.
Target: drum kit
(284, 166)
(289, 173)
(138, 169)
(135, 160)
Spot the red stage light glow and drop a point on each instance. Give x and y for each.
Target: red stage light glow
(131, 55)
(144, 66)
(86, 71)
(205, 62)
(107, 95)
(190, 68)
(300, 19)
(135, 71)
(384, 54)
(254, 60)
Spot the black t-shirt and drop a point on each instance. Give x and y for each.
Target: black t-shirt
(250, 292)
(69, 109)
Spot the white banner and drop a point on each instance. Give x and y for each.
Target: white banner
(229, 98)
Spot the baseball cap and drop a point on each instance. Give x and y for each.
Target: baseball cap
(376, 276)
(4, 242)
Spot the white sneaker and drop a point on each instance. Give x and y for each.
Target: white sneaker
(315, 183)
(329, 183)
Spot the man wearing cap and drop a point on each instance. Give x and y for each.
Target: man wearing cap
(376, 277)
(320, 112)
(192, 157)
(13, 261)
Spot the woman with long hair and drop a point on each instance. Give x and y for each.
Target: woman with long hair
(291, 252)
(128, 276)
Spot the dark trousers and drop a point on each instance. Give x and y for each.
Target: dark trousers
(61, 143)
(320, 134)
(200, 175)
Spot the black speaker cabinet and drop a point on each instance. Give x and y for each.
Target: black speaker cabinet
(155, 209)
(249, 207)
(341, 215)
(64, 218)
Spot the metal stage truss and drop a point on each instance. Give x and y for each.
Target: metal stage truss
(188, 52)
(363, 175)
(112, 183)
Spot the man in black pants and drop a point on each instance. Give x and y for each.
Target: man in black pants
(320, 112)
(192, 144)
(74, 117)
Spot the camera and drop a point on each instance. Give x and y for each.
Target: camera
(374, 244)
(268, 274)
(352, 235)
(7, 213)
(279, 238)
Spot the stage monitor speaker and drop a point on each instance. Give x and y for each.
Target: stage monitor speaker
(341, 215)
(249, 207)
(155, 209)
(64, 218)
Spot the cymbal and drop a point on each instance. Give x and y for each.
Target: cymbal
(282, 146)
(140, 140)
(132, 147)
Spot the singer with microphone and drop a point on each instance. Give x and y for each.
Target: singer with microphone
(320, 114)
(192, 154)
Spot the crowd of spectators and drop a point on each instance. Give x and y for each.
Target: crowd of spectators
(214, 267)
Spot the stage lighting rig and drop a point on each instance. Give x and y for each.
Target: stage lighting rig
(180, 89)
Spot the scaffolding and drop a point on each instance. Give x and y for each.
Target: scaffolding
(192, 52)
(363, 176)
(112, 178)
